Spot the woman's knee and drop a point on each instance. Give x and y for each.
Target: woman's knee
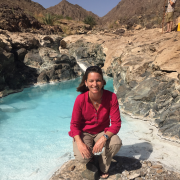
(115, 140)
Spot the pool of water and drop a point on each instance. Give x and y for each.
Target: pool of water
(34, 127)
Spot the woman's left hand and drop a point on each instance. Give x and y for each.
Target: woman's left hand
(99, 145)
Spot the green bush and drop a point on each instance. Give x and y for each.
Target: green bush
(57, 17)
(48, 19)
(68, 18)
(90, 20)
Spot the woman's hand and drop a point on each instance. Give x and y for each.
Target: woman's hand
(99, 145)
(84, 150)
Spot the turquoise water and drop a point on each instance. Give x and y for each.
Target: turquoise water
(34, 127)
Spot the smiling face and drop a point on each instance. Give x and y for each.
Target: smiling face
(94, 82)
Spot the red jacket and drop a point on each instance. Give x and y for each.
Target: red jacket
(85, 118)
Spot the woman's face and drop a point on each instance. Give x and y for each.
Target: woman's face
(94, 82)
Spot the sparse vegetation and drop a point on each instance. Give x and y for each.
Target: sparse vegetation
(114, 25)
(13, 10)
(68, 18)
(57, 17)
(90, 20)
(48, 19)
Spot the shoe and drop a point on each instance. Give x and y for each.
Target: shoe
(103, 174)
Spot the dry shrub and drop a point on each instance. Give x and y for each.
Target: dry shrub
(114, 25)
(39, 16)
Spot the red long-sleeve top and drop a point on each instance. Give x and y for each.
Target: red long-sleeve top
(85, 118)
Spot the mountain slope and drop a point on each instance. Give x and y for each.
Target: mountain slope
(138, 11)
(76, 12)
(28, 6)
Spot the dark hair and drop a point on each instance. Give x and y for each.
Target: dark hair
(82, 87)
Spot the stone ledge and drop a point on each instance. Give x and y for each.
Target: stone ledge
(121, 168)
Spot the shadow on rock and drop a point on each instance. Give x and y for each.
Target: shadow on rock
(120, 164)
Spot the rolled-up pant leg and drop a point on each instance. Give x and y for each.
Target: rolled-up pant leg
(112, 146)
(88, 139)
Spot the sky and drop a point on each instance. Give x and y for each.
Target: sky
(98, 7)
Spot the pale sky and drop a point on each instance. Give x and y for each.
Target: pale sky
(99, 7)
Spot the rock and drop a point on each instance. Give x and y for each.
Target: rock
(51, 41)
(27, 59)
(87, 52)
(125, 173)
(24, 40)
(157, 166)
(63, 44)
(51, 65)
(122, 168)
(133, 176)
(138, 27)
(43, 78)
(79, 171)
(119, 31)
(21, 54)
(160, 171)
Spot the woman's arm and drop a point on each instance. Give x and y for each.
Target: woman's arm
(76, 129)
(83, 148)
(101, 142)
(76, 118)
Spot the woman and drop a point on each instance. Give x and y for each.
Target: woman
(94, 110)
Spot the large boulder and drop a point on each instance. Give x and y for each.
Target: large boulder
(50, 65)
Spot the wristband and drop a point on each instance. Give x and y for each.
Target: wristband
(106, 136)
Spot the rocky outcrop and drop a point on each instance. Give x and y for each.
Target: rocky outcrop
(50, 65)
(121, 168)
(87, 53)
(146, 77)
(27, 59)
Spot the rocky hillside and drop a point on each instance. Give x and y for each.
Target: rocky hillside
(147, 13)
(14, 19)
(28, 6)
(75, 12)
